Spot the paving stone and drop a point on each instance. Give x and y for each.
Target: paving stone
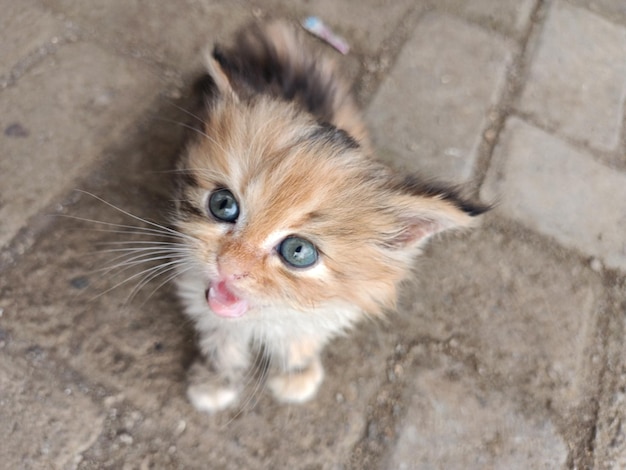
(453, 423)
(510, 16)
(526, 313)
(175, 34)
(577, 80)
(432, 108)
(57, 120)
(352, 19)
(262, 434)
(610, 435)
(24, 28)
(560, 191)
(613, 10)
(75, 318)
(47, 420)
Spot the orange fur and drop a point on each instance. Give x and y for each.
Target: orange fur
(305, 170)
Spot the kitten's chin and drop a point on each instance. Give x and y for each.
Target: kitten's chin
(224, 303)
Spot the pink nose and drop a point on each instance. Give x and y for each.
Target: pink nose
(235, 261)
(230, 270)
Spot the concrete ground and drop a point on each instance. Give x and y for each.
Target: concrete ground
(507, 351)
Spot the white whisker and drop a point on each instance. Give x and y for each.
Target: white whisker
(257, 372)
(156, 272)
(132, 258)
(144, 242)
(134, 276)
(186, 111)
(168, 279)
(187, 126)
(133, 229)
(159, 227)
(151, 249)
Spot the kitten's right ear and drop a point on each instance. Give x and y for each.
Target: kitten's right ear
(221, 80)
(423, 210)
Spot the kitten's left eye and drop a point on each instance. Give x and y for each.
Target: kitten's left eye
(298, 252)
(223, 205)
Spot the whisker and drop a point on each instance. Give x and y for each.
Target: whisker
(187, 126)
(135, 260)
(186, 111)
(133, 229)
(152, 249)
(168, 279)
(145, 221)
(260, 362)
(143, 242)
(134, 276)
(159, 271)
(252, 371)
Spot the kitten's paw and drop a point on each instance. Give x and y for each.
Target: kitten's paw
(298, 387)
(209, 391)
(209, 399)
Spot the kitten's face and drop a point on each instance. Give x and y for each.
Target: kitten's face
(284, 211)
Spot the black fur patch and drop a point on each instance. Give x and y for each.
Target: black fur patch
(187, 209)
(254, 63)
(205, 87)
(413, 185)
(329, 133)
(186, 178)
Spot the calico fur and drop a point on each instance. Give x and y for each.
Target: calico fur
(282, 133)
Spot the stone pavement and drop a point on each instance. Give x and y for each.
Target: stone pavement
(507, 351)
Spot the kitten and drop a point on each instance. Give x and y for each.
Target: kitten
(294, 232)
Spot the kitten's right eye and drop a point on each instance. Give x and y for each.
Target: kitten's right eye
(224, 206)
(298, 252)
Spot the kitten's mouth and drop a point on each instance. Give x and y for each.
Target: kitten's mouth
(223, 302)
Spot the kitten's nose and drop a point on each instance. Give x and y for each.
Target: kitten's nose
(230, 271)
(235, 261)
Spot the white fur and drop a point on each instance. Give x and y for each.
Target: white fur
(273, 326)
(211, 400)
(226, 343)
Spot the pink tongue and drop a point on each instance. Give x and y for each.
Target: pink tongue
(224, 303)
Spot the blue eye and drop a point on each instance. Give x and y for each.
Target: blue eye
(298, 252)
(223, 205)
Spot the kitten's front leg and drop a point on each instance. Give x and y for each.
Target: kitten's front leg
(302, 374)
(215, 379)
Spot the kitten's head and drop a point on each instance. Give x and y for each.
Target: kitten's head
(282, 210)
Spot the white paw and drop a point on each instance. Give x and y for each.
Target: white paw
(297, 387)
(210, 399)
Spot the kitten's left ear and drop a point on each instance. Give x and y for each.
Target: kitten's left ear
(221, 79)
(423, 212)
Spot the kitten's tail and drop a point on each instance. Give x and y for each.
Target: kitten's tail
(272, 58)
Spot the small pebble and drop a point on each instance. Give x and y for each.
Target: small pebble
(596, 265)
(126, 439)
(490, 135)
